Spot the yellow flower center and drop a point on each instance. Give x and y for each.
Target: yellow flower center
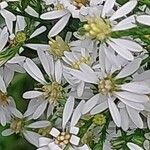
(45, 131)
(20, 37)
(53, 91)
(80, 3)
(97, 28)
(76, 64)
(106, 86)
(16, 125)
(58, 47)
(63, 139)
(3, 99)
(59, 6)
(99, 119)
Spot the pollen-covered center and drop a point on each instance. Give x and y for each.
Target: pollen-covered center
(80, 3)
(3, 99)
(76, 64)
(16, 125)
(53, 92)
(97, 28)
(58, 47)
(20, 37)
(63, 139)
(106, 86)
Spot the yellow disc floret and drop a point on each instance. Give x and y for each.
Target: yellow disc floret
(97, 28)
(53, 92)
(58, 47)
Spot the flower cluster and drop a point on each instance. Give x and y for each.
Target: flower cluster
(84, 68)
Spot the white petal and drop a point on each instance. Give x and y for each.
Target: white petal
(133, 97)
(40, 110)
(99, 108)
(32, 94)
(29, 10)
(125, 24)
(2, 85)
(59, 26)
(114, 112)
(124, 10)
(134, 105)
(68, 109)
(4, 38)
(74, 140)
(54, 132)
(144, 19)
(43, 141)
(43, 47)
(90, 104)
(133, 146)
(16, 112)
(58, 71)
(80, 88)
(77, 113)
(46, 61)
(53, 14)
(124, 119)
(136, 87)
(109, 4)
(128, 44)
(91, 78)
(125, 53)
(74, 130)
(32, 137)
(34, 71)
(135, 117)
(130, 68)
(7, 132)
(39, 124)
(38, 32)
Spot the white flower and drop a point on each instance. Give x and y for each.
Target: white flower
(66, 137)
(100, 26)
(49, 92)
(20, 125)
(7, 104)
(111, 86)
(73, 60)
(63, 10)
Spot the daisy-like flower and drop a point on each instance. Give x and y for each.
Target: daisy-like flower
(66, 136)
(101, 25)
(55, 47)
(7, 15)
(64, 9)
(73, 60)
(7, 103)
(50, 92)
(112, 85)
(23, 126)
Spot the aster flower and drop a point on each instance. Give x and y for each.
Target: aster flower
(7, 103)
(20, 125)
(111, 85)
(66, 137)
(100, 26)
(73, 60)
(50, 92)
(64, 9)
